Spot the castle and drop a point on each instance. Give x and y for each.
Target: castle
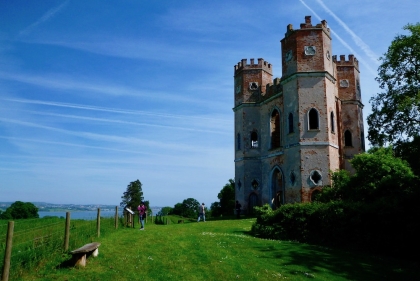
(291, 132)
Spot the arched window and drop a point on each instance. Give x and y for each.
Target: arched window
(275, 129)
(290, 123)
(254, 139)
(313, 119)
(332, 122)
(348, 138)
(277, 188)
(238, 141)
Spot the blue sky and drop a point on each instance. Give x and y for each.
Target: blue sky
(96, 94)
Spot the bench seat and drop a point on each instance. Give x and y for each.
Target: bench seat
(79, 255)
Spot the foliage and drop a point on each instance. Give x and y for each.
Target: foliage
(188, 208)
(379, 175)
(133, 195)
(20, 210)
(376, 206)
(395, 112)
(165, 211)
(410, 152)
(226, 204)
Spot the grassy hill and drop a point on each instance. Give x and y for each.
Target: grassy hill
(217, 250)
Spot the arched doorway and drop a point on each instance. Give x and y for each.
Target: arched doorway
(277, 188)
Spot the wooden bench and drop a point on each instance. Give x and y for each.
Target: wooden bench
(79, 255)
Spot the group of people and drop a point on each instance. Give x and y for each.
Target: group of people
(142, 210)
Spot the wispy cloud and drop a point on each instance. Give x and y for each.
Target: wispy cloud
(132, 140)
(108, 109)
(342, 41)
(48, 15)
(357, 40)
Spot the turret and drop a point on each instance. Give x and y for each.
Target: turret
(251, 80)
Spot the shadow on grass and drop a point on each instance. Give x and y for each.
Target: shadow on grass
(311, 260)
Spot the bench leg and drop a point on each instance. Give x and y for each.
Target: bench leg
(95, 253)
(79, 260)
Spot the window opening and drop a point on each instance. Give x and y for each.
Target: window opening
(332, 123)
(254, 184)
(347, 138)
(316, 177)
(254, 140)
(313, 119)
(290, 123)
(238, 141)
(275, 129)
(292, 178)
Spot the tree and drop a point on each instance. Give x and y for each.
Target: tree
(379, 176)
(132, 196)
(395, 112)
(165, 211)
(20, 210)
(188, 208)
(227, 198)
(410, 152)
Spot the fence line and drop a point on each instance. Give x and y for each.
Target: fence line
(35, 239)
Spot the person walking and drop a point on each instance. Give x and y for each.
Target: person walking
(238, 207)
(201, 213)
(142, 214)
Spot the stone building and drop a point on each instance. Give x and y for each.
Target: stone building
(292, 131)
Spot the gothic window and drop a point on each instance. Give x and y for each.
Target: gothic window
(332, 122)
(254, 140)
(348, 138)
(239, 184)
(362, 141)
(238, 141)
(313, 119)
(290, 123)
(254, 184)
(275, 129)
(316, 177)
(277, 188)
(292, 178)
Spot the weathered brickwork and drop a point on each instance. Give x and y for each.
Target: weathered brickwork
(290, 132)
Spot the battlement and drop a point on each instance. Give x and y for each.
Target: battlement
(308, 25)
(262, 64)
(343, 62)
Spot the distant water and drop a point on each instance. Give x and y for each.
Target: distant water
(86, 215)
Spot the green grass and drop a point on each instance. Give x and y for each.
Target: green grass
(217, 250)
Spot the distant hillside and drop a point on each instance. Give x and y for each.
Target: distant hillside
(42, 206)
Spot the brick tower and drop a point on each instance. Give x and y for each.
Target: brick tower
(290, 132)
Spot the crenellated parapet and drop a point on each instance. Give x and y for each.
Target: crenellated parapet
(352, 61)
(308, 25)
(260, 65)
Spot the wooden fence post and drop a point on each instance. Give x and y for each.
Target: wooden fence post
(67, 232)
(98, 222)
(116, 217)
(8, 252)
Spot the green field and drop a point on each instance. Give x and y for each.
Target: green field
(216, 250)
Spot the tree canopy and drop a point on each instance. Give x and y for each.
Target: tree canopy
(133, 195)
(20, 210)
(188, 208)
(226, 204)
(379, 176)
(395, 111)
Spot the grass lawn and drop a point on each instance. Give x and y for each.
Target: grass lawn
(217, 250)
